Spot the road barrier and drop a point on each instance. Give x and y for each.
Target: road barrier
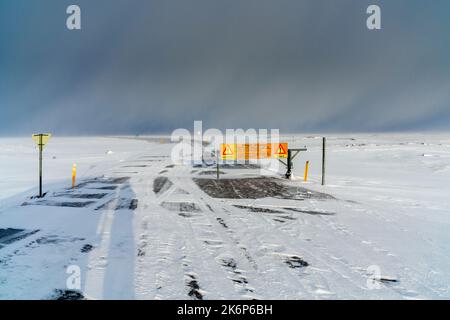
(253, 151)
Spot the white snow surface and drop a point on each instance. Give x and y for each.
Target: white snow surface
(391, 214)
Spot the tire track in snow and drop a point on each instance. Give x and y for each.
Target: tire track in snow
(218, 244)
(313, 287)
(278, 281)
(189, 252)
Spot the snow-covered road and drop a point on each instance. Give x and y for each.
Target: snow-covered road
(139, 227)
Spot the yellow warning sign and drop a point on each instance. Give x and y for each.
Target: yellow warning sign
(228, 152)
(281, 151)
(253, 151)
(41, 139)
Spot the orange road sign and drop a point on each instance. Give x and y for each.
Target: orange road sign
(253, 151)
(281, 151)
(228, 151)
(264, 151)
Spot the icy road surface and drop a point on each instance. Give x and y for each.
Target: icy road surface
(139, 227)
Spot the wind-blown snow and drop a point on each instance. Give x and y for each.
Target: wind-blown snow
(139, 227)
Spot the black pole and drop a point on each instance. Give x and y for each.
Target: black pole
(40, 166)
(323, 160)
(217, 164)
(289, 164)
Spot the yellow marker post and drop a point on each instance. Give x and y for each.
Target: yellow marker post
(74, 174)
(305, 178)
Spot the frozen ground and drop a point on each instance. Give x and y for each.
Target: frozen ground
(139, 227)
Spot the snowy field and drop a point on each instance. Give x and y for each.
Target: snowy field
(139, 227)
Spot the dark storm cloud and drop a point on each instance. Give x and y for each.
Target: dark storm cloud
(298, 65)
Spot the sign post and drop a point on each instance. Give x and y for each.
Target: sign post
(289, 163)
(217, 164)
(40, 139)
(324, 141)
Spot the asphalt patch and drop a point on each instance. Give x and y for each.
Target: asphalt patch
(83, 195)
(186, 214)
(210, 173)
(52, 239)
(118, 180)
(10, 235)
(222, 223)
(312, 212)
(102, 180)
(256, 188)
(387, 280)
(63, 294)
(86, 248)
(237, 275)
(107, 188)
(193, 287)
(59, 204)
(286, 217)
(257, 209)
(119, 204)
(181, 206)
(230, 263)
(295, 262)
(161, 185)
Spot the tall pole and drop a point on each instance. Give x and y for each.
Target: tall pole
(217, 164)
(323, 159)
(40, 166)
(289, 164)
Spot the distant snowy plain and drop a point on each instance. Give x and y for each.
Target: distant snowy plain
(139, 227)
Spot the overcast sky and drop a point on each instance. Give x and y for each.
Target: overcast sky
(144, 66)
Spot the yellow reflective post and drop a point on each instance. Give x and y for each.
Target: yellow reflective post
(305, 178)
(74, 174)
